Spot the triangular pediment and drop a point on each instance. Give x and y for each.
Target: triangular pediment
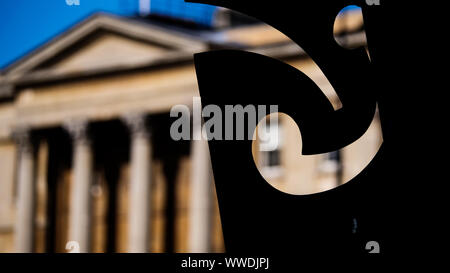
(106, 42)
(105, 50)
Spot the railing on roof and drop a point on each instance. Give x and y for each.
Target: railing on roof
(197, 13)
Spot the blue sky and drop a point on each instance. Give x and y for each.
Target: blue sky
(27, 24)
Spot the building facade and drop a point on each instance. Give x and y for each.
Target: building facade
(85, 149)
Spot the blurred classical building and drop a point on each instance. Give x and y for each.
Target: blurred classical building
(85, 147)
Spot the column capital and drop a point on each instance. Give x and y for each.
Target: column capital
(78, 129)
(136, 122)
(22, 136)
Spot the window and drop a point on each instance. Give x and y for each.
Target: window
(331, 162)
(270, 149)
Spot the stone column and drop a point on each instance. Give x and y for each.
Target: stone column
(82, 169)
(200, 210)
(140, 184)
(24, 229)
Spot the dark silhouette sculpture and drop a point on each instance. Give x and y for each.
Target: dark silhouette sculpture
(255, 216)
